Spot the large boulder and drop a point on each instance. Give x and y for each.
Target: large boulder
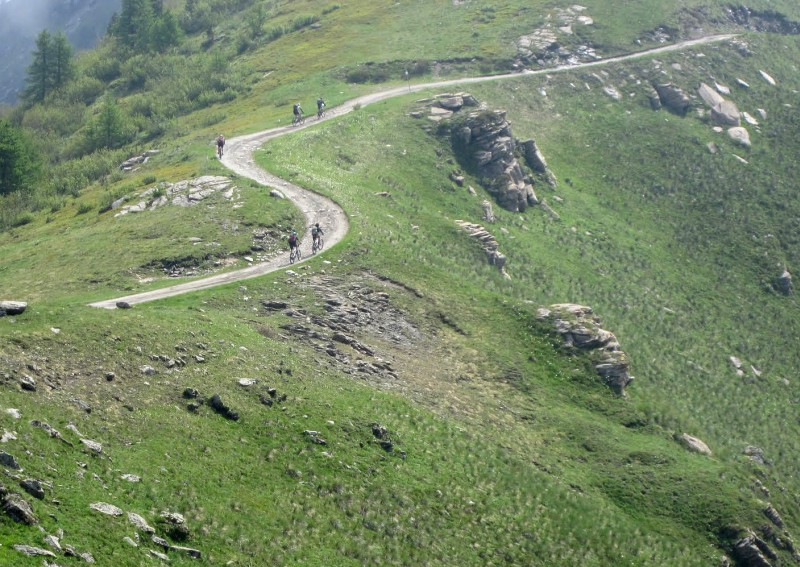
(673, 98)
(693, 444)
(711, 97)
(726, 113)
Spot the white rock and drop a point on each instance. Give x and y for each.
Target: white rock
(740, 135)
(722, 89)
(736, 362)
(694, 444)
(766, 77)
(131, 477)
(742, 83)
(140, 523)
(247, 381)
(92, 445)
(762, 113)
(104, 508)
(749, 119)
(13, 412)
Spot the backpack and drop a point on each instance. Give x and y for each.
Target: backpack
(314, 231)
(292, 238)
(221, 141)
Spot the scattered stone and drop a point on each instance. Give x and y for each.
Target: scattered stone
(711, 97)
(693, 443)
(784, 283)
(140, 523)
(131, 478)
(489, 244)
(12, 307)
(147, 370)
(8, 436)
(246, 382)
(762, 113)
(722, 89)
(742, 83)
(130, 542)
(219, 406)
(53, 542)
(31, 551)
(93, 446)
(9, 461)
(740, 135)
(767, 78)
(19, 509)
(107, 509)
(749, 119)
(51, 431)
(162, 556)
(110, 376)
(14, 413)
(190, 393)
(123, 305)
(27, 383)
(736, 362)
(175, 525)
(612, 92)
(33, 487)
(314, 437)
(756, 454)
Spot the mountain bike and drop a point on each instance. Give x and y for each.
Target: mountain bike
(321, 113)
(317, 245)
(295, 254)
(219, 151)
(298, 119)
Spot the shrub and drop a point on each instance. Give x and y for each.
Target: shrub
(304, 21)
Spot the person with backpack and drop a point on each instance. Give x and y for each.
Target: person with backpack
(316, 237)
(293, 243)
(298, 113)
(220, 145)
(320, 107)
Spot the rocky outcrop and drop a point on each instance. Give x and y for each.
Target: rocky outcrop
(12, 307)
(484, 143)
(489, 244)
(750, 551)
(184, 193)
(581, 329)
(17, 507)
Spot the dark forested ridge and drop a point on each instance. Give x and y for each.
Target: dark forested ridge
(84, 22)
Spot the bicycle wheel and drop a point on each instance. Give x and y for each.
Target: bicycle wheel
(320, 244)
(292, 255)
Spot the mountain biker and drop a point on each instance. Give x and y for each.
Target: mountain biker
(220, 145)
(316, 233)
(293, 243)
(320, 106)
(298, 112)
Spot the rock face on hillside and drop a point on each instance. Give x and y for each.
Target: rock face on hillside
(484, 140)
(581, 329)
(673, 98)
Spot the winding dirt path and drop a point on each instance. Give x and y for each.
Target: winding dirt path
(317, 208)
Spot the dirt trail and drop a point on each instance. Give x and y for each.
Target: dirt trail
(317, 208)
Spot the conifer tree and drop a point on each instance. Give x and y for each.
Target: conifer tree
(52, 66)
(19, 163)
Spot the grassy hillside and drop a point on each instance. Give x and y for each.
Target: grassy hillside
(455, 428)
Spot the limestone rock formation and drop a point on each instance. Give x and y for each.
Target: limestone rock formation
(726, 113)
(581, 329)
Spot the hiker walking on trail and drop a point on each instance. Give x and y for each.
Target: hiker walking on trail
(220, 145)
(298, 113)
(320, 107)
